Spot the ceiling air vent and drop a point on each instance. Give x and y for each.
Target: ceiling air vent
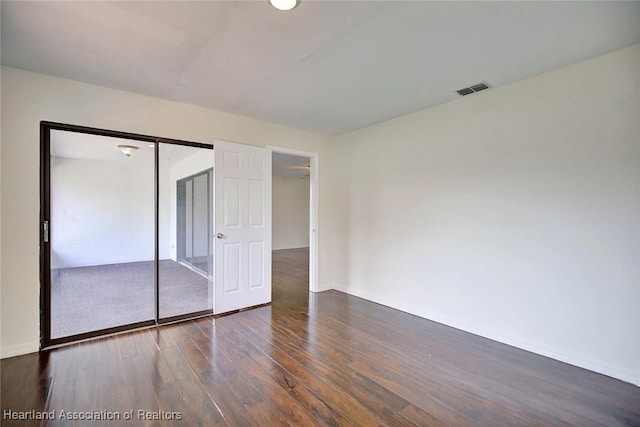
(473, 89)
(465, 91)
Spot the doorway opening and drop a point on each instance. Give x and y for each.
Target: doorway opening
(295, 210)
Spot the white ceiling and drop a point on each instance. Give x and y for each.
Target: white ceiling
(327, 66)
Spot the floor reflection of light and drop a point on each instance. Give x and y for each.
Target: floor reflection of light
(312, 325)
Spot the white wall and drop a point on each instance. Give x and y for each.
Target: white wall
(28, 98)
(290, 212)
(513, 214)
(101, 212)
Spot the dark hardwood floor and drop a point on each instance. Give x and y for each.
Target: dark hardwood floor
(319, 359)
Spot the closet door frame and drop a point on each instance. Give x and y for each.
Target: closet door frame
(45, 216)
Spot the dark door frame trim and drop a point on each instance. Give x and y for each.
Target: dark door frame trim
(45, 215)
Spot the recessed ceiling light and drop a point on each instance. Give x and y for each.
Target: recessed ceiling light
(284, 4)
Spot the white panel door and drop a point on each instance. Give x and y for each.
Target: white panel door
(242, 226)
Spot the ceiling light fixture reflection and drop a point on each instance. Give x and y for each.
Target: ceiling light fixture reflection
(284, 4)
(127, 150)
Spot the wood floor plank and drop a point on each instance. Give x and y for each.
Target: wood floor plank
(312, 359)
(341, 359)
(260, 400)
(452, 384)
(474, 374)
(361, 402)
(343, 403)
(247, 358)
(223, 394)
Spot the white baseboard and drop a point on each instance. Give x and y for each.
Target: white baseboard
(617, 372)
(18, 350)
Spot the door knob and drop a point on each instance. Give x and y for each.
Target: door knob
(220, 235)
